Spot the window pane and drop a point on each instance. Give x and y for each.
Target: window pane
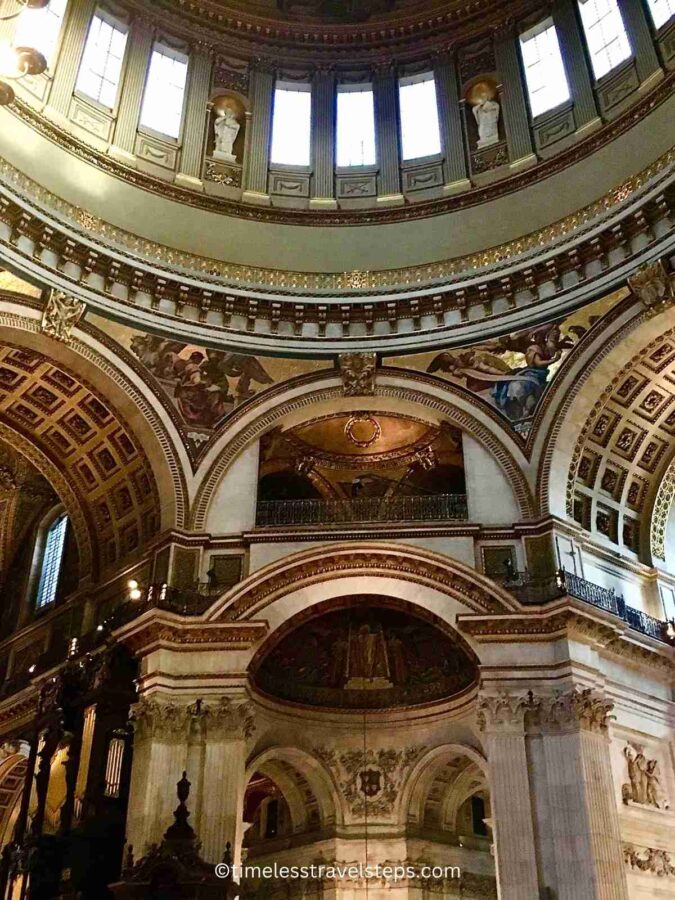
(544, 70)
(420, 135)
(662, 11)
(101, 64)
(51, 561)
(162, 108)
(356, 127)
(291, 126)
(606, 36)
(40, 28)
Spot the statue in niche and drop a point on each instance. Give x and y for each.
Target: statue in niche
(486, 113)
(644, 779)
(226, 128)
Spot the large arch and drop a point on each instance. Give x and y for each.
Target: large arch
(283, 764)
(398, 391)
(104, 365)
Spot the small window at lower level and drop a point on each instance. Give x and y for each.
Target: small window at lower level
(52, 559)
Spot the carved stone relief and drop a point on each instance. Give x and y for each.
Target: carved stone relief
(653, 286)
(644, 779)
(370, 780)
(60, 315)
(649, 859)
(358, 374)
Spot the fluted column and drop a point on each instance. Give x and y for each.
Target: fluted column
(640, 35)
(582, 812)
(385, 88)
(450, 121)
(68, 62)
(224, 779)
(323, 139)
(574, 57)
(196, 113)
(256, 162)
(160, 754)
(514, 106)
(501, 719)
(139, 46)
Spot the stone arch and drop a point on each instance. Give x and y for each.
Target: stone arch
(80, 518)
(399, 391)
(602, 392)
(13, 769)
(276, 762)
(119, 379)
(419, 781)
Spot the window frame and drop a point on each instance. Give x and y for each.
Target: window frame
(300, 87)
(163, 46)
(666, 23)
(529, 34)
(613, 69)
(406, 81)
(356, 88)
(121, 25)
(48, 524)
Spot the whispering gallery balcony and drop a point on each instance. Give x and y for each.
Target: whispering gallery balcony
(432, 508)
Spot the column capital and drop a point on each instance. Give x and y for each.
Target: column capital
(576, 709)
(228, 719)
(164, 720)
(582, 709)
(502, 712)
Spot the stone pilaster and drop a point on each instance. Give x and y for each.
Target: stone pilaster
(323, 139)
(385, 89)
(256, 162)
(196, 115)
(582, 812)
(227, 725)
(512, 96)
(161, 731)
(502, 719)
(640, 36)
(76, 27)
(574, 57)
(139, 45)
(450, 121)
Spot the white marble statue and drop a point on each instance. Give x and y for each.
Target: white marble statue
(486, 114)
(226, 128)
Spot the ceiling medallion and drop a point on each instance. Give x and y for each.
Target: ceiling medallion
(363, 430)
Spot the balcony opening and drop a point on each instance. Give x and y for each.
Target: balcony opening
(361, 467)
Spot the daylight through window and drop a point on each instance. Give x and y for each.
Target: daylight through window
(162, 108)
(101, 65)
(291, 125)
(544, 69)
(420, 134)
(40, 28)
(52, 558)
(355, 126)
(606, 36)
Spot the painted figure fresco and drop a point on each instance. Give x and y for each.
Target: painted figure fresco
(207, 384)
(512, 373)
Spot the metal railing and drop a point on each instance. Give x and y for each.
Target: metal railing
(427, 508)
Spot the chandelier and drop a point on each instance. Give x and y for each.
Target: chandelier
(15, 62)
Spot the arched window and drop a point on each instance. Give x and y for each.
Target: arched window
(52, 559)
(40, 28)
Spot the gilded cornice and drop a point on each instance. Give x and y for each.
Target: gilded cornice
(253, 32)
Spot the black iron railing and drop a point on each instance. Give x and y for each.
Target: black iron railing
(427, 508)
(542, 590)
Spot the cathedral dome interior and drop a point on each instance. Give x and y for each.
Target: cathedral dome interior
(337, 449)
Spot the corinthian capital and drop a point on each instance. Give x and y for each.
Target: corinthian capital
(502, 712)
(583, 709)
(229, 719)
(152, 718)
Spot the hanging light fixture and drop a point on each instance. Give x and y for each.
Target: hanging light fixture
(15, 62)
